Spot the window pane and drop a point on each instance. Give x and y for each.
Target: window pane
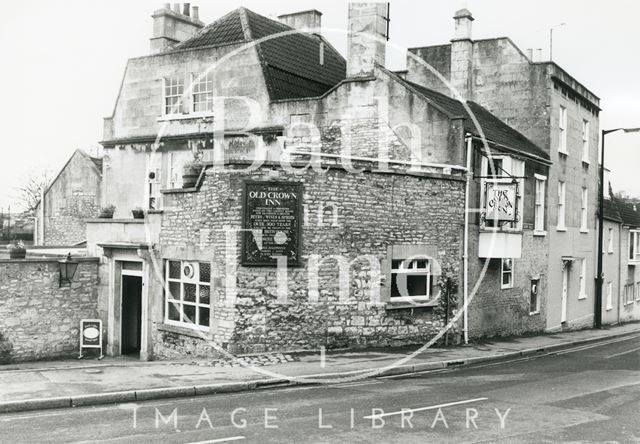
(174, 269)
(174, 290)
(396, 263)
(408, 285)
(205, 272)
(189, 292)
(204, 317)
(189, 314)
(174, 312)
(204, 294)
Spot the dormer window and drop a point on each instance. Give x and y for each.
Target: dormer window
(173, 91)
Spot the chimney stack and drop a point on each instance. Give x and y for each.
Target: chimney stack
(367, 37)
(462, 55)
(310, 20)
(170, 27)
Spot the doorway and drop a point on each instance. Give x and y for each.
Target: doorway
(565, 291)
(131, 320)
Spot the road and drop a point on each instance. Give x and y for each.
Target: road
(587, 394)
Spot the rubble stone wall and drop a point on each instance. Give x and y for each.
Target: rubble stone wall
(38, 318)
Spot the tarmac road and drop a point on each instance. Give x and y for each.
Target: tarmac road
(587, 394)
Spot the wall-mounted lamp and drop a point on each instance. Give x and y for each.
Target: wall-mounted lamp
(68, 269)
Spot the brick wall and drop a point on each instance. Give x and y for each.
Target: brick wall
(375, 211)
(38, 318)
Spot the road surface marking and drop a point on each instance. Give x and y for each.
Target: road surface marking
(622, 353)
(212, 441)
(420, 409)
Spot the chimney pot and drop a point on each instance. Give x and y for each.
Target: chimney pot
(176, 8)
(530, 53)
(195, 14)
(186, 7)
(539, 51)
(167, 6)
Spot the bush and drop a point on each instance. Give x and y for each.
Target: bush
(5, 350)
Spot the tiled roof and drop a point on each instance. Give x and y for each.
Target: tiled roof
(291, 63)
(629, 212)
(495, 130)
(611, 210)
(97, 161)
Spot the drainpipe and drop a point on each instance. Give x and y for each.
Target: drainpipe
(465, 257)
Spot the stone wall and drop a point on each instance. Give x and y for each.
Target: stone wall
(37, 317)
(73, 196)
(375, 211)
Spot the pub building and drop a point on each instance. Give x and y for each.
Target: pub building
(330, 200)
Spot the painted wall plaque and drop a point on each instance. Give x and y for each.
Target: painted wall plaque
(273, 213)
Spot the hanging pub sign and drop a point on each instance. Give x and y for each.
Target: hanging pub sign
(272, 223)
(91, 335)
(500, 201)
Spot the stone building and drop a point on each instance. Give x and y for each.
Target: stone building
(364, 169)
(560, 115)
(629, 249)
(73, 196)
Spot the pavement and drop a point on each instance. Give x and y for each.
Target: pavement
(74, 383)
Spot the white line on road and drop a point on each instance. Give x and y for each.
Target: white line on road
(212, 441)
(622, 353)
(420, 409)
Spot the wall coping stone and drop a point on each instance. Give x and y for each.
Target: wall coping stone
(47, 260)
(114, 221)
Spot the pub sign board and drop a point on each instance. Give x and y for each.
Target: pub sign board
(272, 223)
(91, 334)
(500, 201)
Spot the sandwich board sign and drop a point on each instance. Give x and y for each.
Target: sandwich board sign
(91, 335)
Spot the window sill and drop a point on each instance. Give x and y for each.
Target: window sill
(533, 313)
(582, 297)
(397, 305)
(563, 152)
(506, 288)
(584, 230)
(586, 162)
(185, 331)
(609, 308)
(170, 117)
(562, 229)
(539, 233)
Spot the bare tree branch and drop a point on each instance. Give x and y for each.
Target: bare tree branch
(30, 192)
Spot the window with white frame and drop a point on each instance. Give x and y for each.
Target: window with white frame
(638, 291)
(610, 241)
(609, 295)
(562, 194)
(539, 203)
(173, 91)
(584, 214)
(202, 92)
(562, 126)
(506, 273)
(503, 169)
(583, 279)
(634, 245)
(187, 294)
(629, 291)
(534, 299)
(411, 280)
(585, 141)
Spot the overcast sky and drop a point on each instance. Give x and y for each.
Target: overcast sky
(63, 62)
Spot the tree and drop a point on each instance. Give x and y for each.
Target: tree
(30, 192)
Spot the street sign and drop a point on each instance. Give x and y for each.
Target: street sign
(91, 335)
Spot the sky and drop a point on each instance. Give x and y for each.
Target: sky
(64, 60)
